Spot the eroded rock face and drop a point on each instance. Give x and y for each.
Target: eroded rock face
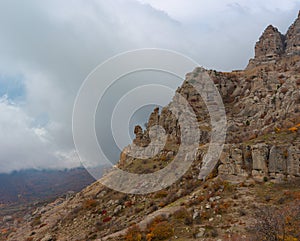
(293, 161)
(260, 157)
(293, 38)
(259, 103)
(263, 160)
(232, 162)
(277, 160)
(270, 44)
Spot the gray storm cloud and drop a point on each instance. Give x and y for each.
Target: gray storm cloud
(54, 45)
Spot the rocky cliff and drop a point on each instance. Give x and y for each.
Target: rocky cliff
(262, 148)
(273, 45)
(293, 38)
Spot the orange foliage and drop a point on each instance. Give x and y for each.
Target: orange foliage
(160, 230)
(293, 129)
(88, 204)
(133, 234)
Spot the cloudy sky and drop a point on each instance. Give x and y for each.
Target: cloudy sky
(47, 48)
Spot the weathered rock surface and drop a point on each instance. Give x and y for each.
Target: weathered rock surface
(293, 38)
(272, 44)
(260, 159)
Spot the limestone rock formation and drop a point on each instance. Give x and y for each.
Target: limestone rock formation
(272, 45)
(260, 160)
(293, 38)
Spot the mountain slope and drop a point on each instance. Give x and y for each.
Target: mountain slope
(260, 163)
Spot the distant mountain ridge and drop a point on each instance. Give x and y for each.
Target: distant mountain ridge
(33, 185)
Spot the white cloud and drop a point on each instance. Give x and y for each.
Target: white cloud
(193, 10)
(21, 144)
(54, 44)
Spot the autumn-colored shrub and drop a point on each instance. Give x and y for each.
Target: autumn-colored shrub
(205, 214)
(134, 234)
(160, 231)
(36, 221)
(217, 185)
(106, 219)
(183, 215)
(161, 194)
(128, 204)
(103, 212)
(162, 204)
(201, 198)
(138, 209)
(296, 195)
(90, 203)
(222, 207)
(155, 221)
(284, 90)
(228, 187)
(4, 231)
(171, 197)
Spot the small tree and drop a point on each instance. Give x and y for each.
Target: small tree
(278, 224)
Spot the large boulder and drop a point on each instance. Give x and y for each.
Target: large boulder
(293, 161)
(260, 154)
(277, 159)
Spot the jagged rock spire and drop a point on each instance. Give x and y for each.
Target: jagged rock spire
(273, 45)
(293, 38)
(270, 44)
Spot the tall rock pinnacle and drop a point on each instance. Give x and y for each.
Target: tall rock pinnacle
(270, 44)
(273, 46)
(293, 38)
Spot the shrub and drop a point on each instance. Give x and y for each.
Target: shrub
(222, 207)
(183, 215)
(155, 221)
(160, 231)
(200, 199)
(228, 186)
(211, 232)
(106, 219)
(278, 224)
(153, 209)
(89, 204)
(103, 212)
(162, 204)
(242, 212)
(36, 221)
(161, 194)
(133, 234)
(171, 197)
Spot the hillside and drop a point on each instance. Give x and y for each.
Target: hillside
(34, 185)
(255, 182)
